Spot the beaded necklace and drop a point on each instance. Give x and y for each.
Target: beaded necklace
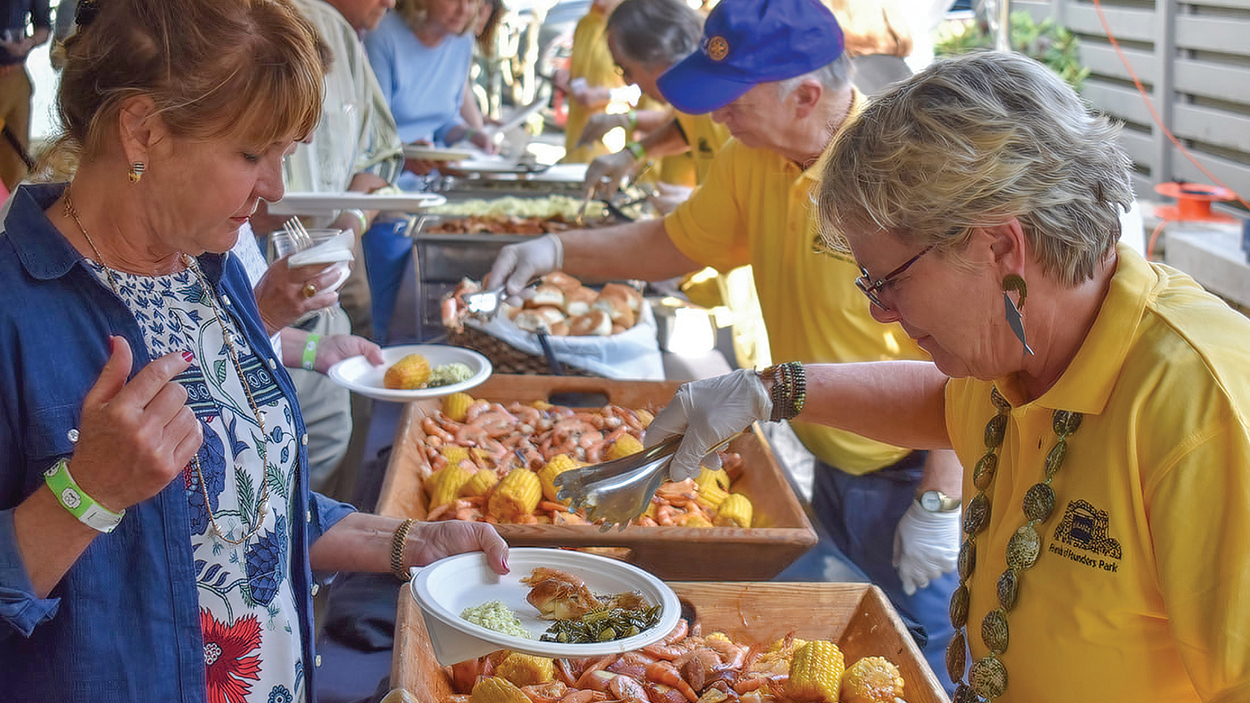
(987, 678)
(228, 336)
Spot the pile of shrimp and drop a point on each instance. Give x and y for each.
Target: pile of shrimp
(529, 435)
(683, 668)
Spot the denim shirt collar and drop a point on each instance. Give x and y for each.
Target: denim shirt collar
(43, 251)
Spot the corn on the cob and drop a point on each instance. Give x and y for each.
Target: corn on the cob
(624, 446)
(526, 670)
(454, 453)
(816, 672)
(479, 483)
(517, 494)
(541, 405)
(735, 511)
(494, 689)
(547, 475)
(644, 417)
(720, 477)
(456, 405)
(712, 491)
(785, 646)
(409, 373)
(446, 484)
(872, 680)
(695, 520)
(718, 635)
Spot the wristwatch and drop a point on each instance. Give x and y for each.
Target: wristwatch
(937, 502)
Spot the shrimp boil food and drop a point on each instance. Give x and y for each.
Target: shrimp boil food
(581, 616)
(686, 667)
(498, 463)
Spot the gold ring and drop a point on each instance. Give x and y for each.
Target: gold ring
(309, 290)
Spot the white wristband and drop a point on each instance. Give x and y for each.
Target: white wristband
(559, 245)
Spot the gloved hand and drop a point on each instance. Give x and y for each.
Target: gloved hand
(600, 125)
(518, 264)
(604, 174)
(709, 412)
(926, 545)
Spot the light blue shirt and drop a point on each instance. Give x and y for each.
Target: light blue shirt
(424, 86)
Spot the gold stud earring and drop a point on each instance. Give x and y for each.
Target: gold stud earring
(136, 171)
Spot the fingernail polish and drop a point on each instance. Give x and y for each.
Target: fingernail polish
(188, 357)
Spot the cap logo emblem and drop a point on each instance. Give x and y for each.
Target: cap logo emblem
(717, 48)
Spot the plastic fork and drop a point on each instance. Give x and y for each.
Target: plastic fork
(298, 234)
(619, 491)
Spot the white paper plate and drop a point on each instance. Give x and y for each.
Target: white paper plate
(305, 203)
(445, 588)
(423, 152)
(359, 376)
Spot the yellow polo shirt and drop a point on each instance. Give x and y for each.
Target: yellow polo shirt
(756, 207)
(591, 60)
(705, 137)
(1142, 589)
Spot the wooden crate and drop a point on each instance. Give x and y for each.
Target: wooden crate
(781, 535)
(857, 616)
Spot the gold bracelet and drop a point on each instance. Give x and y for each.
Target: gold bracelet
(397, 550)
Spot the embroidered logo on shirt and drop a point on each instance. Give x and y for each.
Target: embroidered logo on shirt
(705, 149)
(1084, 529)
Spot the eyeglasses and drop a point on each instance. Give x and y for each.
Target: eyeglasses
(871, 288)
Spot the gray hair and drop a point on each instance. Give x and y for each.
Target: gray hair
(655, 32)
(834, 76)
(974, 141)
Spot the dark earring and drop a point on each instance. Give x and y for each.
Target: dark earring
(1014, 318)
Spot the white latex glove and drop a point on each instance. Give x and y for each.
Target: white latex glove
(709, 412)
(604, 174)
(926, 545)
(518, 264)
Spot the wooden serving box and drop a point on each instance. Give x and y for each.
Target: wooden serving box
(857, 616)
(781, 535)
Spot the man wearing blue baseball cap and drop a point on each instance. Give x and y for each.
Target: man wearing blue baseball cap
(774, 72)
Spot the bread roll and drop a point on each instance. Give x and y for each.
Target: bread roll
(627, 293)
(563, 281)
(595, 322)
(560, 329)
(545, 294)
(531, 321)
(552, 315)
(617, 329)
(614, 306)
(578, 301)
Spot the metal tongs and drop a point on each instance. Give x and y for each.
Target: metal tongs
(619, 491)
(485, 304)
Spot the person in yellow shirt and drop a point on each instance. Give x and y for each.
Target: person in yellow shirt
(1099, 401)
(773, 72)
(590, 81)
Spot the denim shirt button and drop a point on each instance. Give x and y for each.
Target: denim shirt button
(309, 516)
(225, 300)
(317, 661)
(303, 439)
(273, 365)
(73, 435)
(316, 588)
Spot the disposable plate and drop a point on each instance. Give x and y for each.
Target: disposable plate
(306, 203)
(444, 589)
(359, 376)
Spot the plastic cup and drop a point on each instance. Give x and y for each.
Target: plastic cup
(284, 245)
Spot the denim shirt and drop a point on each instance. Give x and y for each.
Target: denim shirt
(123, 624)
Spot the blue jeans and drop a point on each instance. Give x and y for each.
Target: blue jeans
(388, 254)
(861, 513)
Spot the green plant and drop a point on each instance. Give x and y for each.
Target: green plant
(1045, 41)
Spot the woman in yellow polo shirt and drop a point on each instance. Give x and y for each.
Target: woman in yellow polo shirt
(1098, 401)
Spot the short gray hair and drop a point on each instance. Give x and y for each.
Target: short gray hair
(834, 76)
(655, 32)
(974, 141)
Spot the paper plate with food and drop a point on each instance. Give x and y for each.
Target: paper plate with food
(412, 372)
(554, 603)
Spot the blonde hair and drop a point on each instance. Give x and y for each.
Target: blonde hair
(974, 141)
(415, 12)
(213, 68)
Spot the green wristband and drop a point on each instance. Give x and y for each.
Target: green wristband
(637, 149)
(310, 352)
(77, 502)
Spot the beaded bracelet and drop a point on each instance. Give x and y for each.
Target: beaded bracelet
(789, 391)
(397, 550)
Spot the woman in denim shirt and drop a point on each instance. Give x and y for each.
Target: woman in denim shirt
(157, 533)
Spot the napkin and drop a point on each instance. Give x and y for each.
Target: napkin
(334, 250)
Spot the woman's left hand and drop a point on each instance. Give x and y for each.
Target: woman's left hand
(282, 293)
(334, 348)
(430, 541)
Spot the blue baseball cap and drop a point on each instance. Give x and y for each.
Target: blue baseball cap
(748, 42)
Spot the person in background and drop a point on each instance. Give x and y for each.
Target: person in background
(157, 532)
(878, 40)
(590, 80)
(774, 73)
(354, 148)
(485, 81)
(421, 53)
(15, 87)
(1098, 400)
